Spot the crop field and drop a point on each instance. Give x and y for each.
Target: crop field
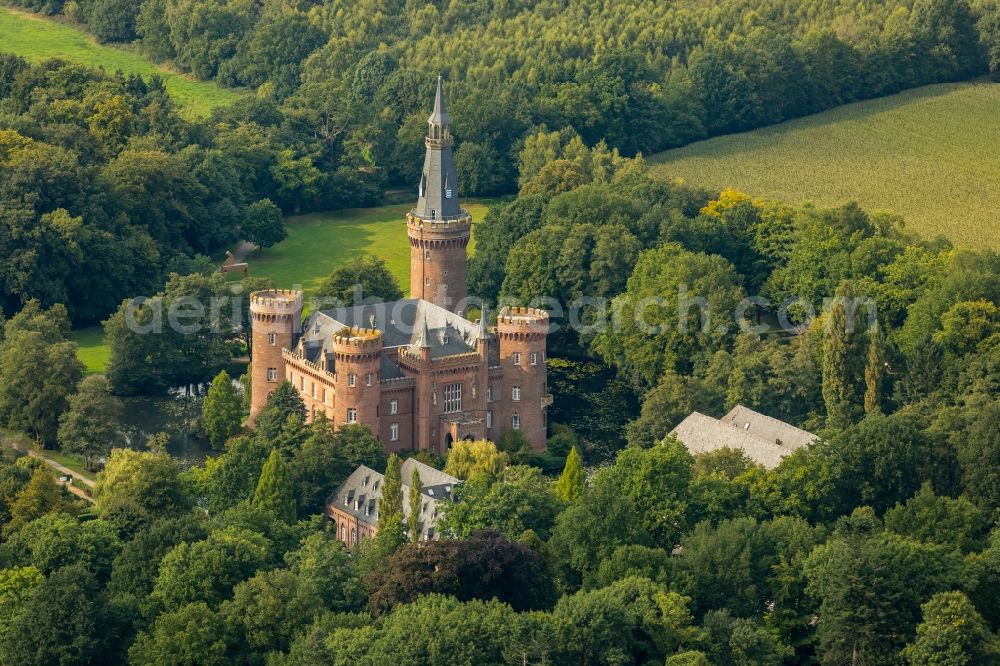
(316, 244)
(931, 154)
(36, 38)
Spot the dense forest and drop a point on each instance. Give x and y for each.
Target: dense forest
(877, 544)
(641, 76)
(339, 101)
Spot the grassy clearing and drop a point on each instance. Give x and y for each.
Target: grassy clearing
(316, 244)
(91, 348)
(319, 242)
(36, 38)
(930, 154)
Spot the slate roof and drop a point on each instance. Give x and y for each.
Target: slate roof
(411, 323)
(767, 427)
(763, 439)
(360, 493)
(438, 190)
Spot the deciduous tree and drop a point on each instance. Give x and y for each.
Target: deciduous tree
(91, 426)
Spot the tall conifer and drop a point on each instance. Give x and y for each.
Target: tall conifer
(274, 489)
(572, 482)
(416, 485)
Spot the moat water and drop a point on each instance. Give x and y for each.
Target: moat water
(175, 414)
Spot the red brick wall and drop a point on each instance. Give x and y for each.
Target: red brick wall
(277, 312)
(438, 263)
(523, 333)
(403, 417)
(360, 357)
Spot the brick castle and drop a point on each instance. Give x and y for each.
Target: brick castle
(415, 371)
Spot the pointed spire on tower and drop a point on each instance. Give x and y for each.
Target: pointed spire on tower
(437, 193)
(440, 114)
(484, 317)
(425, 334)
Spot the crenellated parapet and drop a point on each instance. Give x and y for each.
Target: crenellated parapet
(276, 320)
(355, 343)
(439, 233)
(275, 305)
(520, 323)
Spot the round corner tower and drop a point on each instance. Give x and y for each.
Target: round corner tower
(357, 384)
(438, 227)
(275, 321)
(522, 334)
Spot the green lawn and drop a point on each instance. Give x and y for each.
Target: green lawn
(68, 462)
(931, 154)
(91, 348)
(36, 38)
(318, 242)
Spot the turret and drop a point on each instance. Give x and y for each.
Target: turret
(522, 334)
(438, 227)
(275, 321)
(357, 360)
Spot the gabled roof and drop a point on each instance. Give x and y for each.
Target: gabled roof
(763, 439)
(361, 492)
(767, 427)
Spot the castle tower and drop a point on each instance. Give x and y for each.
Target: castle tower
(357, 389)
(438, 227)
(522, 333)
(275, 321)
